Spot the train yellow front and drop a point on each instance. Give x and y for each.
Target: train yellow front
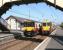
(46, 27)
(30, 28)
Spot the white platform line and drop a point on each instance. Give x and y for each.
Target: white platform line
(43, 45)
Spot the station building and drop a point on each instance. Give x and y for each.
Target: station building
(16, 23)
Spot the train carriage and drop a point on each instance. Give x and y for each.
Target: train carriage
(30, 28)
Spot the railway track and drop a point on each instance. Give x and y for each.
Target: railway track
(31, 46)
(22, 44)
(9, 44)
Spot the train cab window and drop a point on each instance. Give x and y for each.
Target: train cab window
(48, 24)
(28, 24)
(44, 24)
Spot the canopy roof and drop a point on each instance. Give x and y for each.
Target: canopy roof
(8, 5)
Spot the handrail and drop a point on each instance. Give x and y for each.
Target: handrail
(4, 22)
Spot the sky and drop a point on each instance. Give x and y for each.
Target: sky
(38, 12)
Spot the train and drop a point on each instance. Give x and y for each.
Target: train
(32, 28)
(46, 28)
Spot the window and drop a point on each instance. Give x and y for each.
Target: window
(28, 24)
(44, 24)
(48, 24)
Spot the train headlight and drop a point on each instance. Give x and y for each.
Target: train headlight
(22, 29)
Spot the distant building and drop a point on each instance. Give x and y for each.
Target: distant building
(15, 23)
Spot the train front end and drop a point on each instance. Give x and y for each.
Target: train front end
(46, 28)
(29, 28)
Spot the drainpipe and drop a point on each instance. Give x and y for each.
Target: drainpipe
(29, 13)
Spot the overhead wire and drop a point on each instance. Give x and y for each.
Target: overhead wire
(38, 11)
(35, 9)
(25, 14)
(53, 10)
(54, 14)
(19, 14)
(51, 13)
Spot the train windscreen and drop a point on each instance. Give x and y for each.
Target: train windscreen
(48, 24)
(28, 24)
(44, 24)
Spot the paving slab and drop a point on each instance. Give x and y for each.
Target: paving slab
(4, 35)
(54, 45)
(56, 42)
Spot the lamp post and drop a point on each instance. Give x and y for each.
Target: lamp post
(29, 13)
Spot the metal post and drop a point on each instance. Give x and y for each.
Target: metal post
(55, 3)
(2, 2)
(10, 0)
(29, 13)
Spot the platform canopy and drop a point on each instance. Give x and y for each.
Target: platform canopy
(58, 2)
(8, 5)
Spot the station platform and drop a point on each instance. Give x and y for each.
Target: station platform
(53, 42)
(54, 45)
(5, 38)
(5, 35)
